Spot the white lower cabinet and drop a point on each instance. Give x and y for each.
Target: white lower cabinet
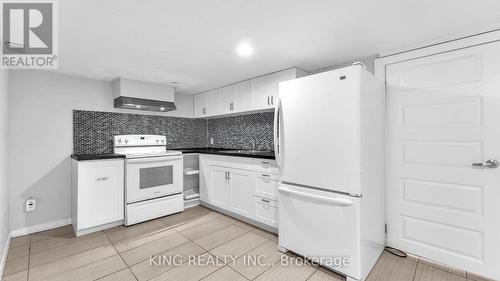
(220, 191)
(266, 211)
(241, 186)
(241, 192)
(97, 194)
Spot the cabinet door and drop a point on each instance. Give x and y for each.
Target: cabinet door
(219, 187)
(226, 99)
(212, 102)
(265, 89)
(262, 88)
(100, 193)
(241, 192)
(242, 96)
(279, 77)
(200, 105)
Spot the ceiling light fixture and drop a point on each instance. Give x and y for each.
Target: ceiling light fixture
(244, 49)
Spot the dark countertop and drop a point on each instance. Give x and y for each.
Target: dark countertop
(202, 150)
(86, 157)
(227, 152)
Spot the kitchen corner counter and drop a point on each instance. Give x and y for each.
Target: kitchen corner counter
(87, 157)
(228, 152)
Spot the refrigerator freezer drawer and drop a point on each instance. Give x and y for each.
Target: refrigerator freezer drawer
(321, 225)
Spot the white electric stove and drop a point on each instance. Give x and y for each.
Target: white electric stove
(153, 177)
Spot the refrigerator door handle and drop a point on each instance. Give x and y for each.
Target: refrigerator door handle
(277, 133)
(332, 201)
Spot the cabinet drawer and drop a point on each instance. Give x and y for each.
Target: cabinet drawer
(265, 185)
(229, 161)
(265, 166)
(266, 211)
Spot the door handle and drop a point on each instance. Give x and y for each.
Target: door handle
(491, 163)
(268, 100)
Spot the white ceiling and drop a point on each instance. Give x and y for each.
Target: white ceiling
(192, 41)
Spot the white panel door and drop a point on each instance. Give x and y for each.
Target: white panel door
(320, 130)
(443, 116)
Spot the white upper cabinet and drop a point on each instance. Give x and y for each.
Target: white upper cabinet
(249, 95)
(242, 96)
(212, 102)
(206, 104)
(200, 105)
(265, 89)
(226, 100)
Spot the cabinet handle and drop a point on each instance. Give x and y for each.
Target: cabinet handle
(268, 100)
(229, 175)
(272, 100)
(265, 201)
(266, 178)
(102, 179)
(231, 106)
(204, 110)
(264, 162)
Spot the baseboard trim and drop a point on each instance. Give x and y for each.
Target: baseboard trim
(39, 227)
(4, 255)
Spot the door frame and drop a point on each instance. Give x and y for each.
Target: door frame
(425, 50)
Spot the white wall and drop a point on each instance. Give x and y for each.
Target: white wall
(4, 190)
(41, 138)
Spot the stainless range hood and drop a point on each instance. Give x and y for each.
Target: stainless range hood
(138, 95)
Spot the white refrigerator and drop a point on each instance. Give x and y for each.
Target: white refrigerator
(329, 145)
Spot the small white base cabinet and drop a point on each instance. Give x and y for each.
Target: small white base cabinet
(243, 186)
(97, 194)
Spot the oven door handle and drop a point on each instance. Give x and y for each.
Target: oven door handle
(153, 159)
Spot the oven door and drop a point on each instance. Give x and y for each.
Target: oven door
(153, 177)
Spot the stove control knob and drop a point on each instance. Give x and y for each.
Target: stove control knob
(126, 141)
(119, 141)
(162, 141)
(157, 141)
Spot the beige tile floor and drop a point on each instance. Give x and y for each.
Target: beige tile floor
(197, 234)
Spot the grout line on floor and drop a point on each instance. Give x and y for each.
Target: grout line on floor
(127, 266)
(415, 271)
(29, 261)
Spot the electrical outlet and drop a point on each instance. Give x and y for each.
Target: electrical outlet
(212, 141)
(30, 205)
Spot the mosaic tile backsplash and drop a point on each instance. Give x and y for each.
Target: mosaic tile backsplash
(242, 132)
(93, 131)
